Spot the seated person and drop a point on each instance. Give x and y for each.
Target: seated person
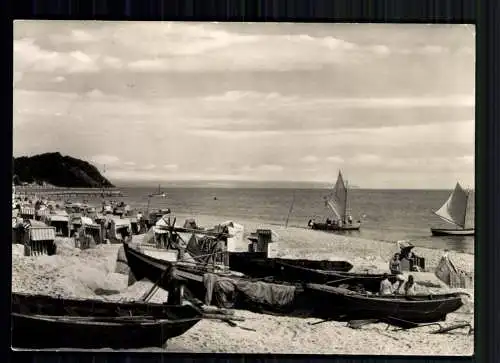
(397, 288)
(395, 264)
(385, 286)
(409, 286)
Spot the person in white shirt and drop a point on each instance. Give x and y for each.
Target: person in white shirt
(385, 286)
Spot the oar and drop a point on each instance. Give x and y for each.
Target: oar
(326, 320)
(117, 319)
(222, 317)
(155, 287)
(356, 324)
(443, 330)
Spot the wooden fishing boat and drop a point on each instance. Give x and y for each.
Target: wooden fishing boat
(192, 275)
(40, 321)
(46, 305)
(454, 211)
(258, 265)
(44, 331)
(404, 311)
(337, 201)
(158, 193)
(453, 232)
(301, 299)
(144, 266)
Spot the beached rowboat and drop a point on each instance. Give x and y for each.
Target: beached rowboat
(144, 266)
(300, 299)
(44, 331)
(40, 321)
(400, 310)
(258, 265)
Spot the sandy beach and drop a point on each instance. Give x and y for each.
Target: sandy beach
(76, 273)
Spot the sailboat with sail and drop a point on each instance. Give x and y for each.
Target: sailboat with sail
(159, 193)
(454, 211)
(337, 201)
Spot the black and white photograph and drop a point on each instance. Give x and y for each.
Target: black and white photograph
(204, 187)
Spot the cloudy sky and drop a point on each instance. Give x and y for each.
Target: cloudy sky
(392, 106)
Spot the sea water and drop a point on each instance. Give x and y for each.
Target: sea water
(387, 215)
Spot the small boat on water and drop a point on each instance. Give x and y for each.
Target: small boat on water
(454, 211)
(40, 321)
(158, 193)
(399, 310)
(338, 202)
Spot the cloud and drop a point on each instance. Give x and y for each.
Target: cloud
(309, 159)
(250, 112)
(366, 159)
(148, 167)
(197, 47)
(335, 159)
(373, 102)
(466, 159)
(18, 76)
(170, 166)
(58, 79)
(460, 100)
(271, 168)
(79, 35)
(28, 56)
(105, 159)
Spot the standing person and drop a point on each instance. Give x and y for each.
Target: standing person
(140, 222)
(409, 287)
(385, 286)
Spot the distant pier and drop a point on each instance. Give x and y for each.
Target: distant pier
(68, 192)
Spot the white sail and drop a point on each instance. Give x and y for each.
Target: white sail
(455, 208)
(337, 201)
(333, 208)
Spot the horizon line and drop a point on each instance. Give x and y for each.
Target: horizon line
(234, 184)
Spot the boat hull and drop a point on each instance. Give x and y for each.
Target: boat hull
(40, 322)
(192, 277)
(144, 266)
(394, 309)
(46, 305)
(316, 300)
(452, 232)
(43, 332)
(257, 265)
(335, 228)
